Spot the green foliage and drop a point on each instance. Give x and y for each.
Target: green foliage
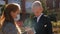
(3, 7)
(28, 22)
(45, 11)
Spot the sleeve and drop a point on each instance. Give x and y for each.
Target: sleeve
(49, 27)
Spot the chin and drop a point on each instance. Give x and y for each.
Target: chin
(37, 14)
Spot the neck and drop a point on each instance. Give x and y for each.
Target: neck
(38, 15)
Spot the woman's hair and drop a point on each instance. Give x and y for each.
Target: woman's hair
(10, 8)
(6, 16)
(7, 13)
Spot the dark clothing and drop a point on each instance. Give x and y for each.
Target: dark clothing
(43, 26)
(9, 28)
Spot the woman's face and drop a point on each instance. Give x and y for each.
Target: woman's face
(14, 14)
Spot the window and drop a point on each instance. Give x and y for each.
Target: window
(53, 3)
(14, 1)
(28, 5)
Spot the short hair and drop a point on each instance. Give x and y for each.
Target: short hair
(36, 3)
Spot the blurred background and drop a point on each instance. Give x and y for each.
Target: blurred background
(51, 9)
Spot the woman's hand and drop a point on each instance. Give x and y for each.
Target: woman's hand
(29, 30)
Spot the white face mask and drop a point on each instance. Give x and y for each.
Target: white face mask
(17, 18)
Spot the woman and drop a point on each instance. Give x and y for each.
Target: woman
(9, 17)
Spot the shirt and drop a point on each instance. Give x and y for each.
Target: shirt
(39, 17)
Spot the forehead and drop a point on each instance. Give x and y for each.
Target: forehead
(35, 7)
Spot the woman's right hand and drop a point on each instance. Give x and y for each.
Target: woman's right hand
(29, 30)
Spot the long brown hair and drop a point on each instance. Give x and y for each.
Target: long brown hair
(7, 15)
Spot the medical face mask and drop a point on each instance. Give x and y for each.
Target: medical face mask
(17, 17)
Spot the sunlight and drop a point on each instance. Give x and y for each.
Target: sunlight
(18, 28)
